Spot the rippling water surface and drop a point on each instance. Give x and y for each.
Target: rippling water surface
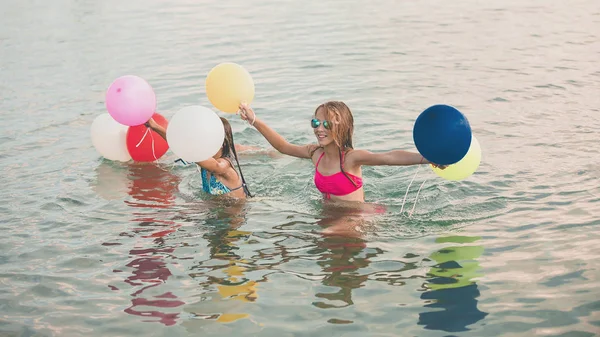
(98, 248)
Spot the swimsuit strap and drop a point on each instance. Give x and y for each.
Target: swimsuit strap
(326, 195)
(237, 188)
(319, 160)
(342, 168)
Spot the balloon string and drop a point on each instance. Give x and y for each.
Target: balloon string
(153, 153)
(152, 137)
(407, 189)
(416, 198)
(143, 137)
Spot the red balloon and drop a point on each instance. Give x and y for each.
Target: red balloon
(140, 139)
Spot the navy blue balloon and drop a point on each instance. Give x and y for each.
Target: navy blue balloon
(442, 134)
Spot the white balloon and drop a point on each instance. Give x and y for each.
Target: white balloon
(195, 133)
(110, 138)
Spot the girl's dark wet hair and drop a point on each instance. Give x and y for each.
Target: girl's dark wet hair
(228, 151)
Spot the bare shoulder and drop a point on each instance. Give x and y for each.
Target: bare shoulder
(354, 154)
(226, 168)
(224, 161)
(356, 157)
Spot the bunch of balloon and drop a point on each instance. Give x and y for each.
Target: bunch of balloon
(443, 136)
(195, 133)
(120, 134)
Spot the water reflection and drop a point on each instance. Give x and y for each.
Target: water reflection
(153, 188)
(450, 290)
(226, 288)
(343, 250)
(111, 181)
(227, 280)
(149, 271)
(341, 260)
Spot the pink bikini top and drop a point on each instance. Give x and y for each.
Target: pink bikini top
(340, 183)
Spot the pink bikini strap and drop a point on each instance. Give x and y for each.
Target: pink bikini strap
(342, 168)
(319, 160)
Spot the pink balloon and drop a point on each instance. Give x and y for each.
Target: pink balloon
(130, 100)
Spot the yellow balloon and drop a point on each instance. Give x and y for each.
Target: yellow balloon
(465, 167)
(228, 85)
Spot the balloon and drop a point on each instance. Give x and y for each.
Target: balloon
(465, 167)
(108, 138)
(144, 144)
(442, 134)
(130, 100)
(228, 85)
(195, 133)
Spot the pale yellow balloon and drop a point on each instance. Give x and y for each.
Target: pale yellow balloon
(228, 85)
(465, 167)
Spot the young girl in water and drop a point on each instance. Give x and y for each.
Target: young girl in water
(338, 174)
(219, 177)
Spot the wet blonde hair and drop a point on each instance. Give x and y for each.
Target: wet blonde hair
(342, 123)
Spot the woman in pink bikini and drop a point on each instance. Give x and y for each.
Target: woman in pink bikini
(338, 173)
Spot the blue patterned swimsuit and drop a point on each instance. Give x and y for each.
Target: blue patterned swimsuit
(213, 186)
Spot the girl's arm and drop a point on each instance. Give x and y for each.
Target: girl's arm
(275, 139)
(151, 123)
(392, 158)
